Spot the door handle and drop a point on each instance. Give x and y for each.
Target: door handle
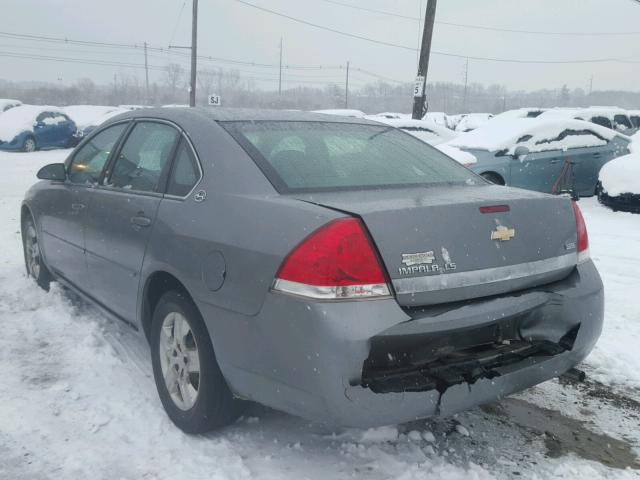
(555, 161)
(141, 221)
(77, 206)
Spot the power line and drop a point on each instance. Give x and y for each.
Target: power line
(433, 52)
(329, 29)
(141, 66)
(483, 27)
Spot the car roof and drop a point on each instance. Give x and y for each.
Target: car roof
(218, 114)
(499, 135)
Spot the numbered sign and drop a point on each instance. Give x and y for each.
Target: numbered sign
(214, 100)
(418, 87)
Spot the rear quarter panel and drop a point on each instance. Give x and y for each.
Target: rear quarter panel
(227, 249)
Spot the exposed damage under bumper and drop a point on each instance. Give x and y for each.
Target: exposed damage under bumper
(437, 362)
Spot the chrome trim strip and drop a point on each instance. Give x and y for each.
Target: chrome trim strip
(446, 281)
(356, 292)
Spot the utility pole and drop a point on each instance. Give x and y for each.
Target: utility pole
(466, 84)
(194, 54)
(591, 85)
(425, 52)
(346, 89)
(280, 77)
(146, 75)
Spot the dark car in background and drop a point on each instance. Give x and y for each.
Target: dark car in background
(29, 127)
(334, 268)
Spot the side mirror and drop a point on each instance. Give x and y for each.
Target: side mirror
(53, 171)
(520, 151)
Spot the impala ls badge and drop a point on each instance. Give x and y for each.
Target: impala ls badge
(503, 234)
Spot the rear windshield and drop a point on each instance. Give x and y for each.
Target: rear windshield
(315, 156)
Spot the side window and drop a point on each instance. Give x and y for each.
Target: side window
(622, 121)
(185, 173)
(89, 160)
(144, 156)
(602, 121)
(635, 119)
(571, 139)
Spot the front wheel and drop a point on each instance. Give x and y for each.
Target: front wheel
(36, 268)
(29, 145)
(191, 386)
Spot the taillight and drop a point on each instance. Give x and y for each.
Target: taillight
(336, 261)
(583, 237)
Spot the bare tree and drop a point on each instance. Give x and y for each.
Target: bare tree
(173, 79)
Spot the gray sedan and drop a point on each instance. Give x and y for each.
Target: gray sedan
(333, 268)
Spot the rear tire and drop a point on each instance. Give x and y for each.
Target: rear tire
(34, 263)
(493, 178)
(29, 145)
(191, 386)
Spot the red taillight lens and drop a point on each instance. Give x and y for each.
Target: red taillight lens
(583, 237)
(336, 261)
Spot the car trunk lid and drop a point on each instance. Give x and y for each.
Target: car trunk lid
(444, 244)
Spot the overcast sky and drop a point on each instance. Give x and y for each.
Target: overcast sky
(231, 30)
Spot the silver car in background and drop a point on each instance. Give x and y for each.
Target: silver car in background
(333, 268)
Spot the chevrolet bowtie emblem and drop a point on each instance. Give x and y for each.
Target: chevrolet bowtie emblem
(503, 234)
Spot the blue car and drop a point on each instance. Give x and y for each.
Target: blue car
(545, 155)
(28, 128)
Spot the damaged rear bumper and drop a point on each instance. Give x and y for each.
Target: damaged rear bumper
(373, 363)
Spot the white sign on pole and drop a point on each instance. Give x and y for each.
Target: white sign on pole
(214, 100)
(418, 87)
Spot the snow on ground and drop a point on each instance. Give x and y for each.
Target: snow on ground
(77, 397)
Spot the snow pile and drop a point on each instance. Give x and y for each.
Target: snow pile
(542, 133)
(90, 115)
(621, 175)
(342, 112)
(472, 121)
(437, 117)
(21, 119)
(7, 103)
(527, 112)
(425, 130)
(389, 115)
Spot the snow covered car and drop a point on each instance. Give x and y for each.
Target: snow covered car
(619, 187)
(7, 103)
(342, 112)
(609, 117)
(333, 268)
(545, 155)
(29, 127)
(526, 112)
(88, 117)
(470, 121)
(425, 130)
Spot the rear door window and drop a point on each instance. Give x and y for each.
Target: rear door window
(89, 160)
(623, 122)
(144, 157)
(602, 121)
(185, 173)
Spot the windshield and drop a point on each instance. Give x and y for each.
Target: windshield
(310, 156)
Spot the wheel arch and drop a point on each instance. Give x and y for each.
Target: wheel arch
(155, 286)
(495, 174)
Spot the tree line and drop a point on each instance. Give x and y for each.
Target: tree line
(239, 91)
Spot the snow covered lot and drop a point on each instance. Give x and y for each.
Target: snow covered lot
(77, 397)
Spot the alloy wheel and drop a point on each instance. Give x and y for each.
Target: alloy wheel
(32, 250)
(179, 360)
(29, 145)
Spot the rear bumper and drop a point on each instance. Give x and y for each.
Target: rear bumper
(308, 358)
